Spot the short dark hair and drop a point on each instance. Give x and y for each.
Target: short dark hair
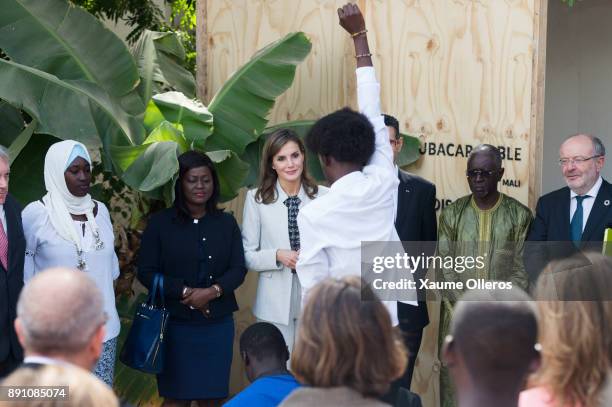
(263, 340)
(345, 135)
(490, 149)
(392, 122)
(496, 332)
(188, 161)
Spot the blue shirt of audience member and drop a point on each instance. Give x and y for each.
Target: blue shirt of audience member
(267, 391)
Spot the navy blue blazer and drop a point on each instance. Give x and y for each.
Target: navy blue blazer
(552, 223)
(195, 255)
(416, 222)
(11, 280)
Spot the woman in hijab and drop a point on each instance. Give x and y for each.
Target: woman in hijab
(68, 228)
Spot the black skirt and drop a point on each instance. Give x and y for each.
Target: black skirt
(198, 360)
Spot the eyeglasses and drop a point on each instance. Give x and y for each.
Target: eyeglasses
(481, 173)
(394, 142)
(576, 160)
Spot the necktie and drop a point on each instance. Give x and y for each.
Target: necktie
(293, 203)
(3, 247)
(577, 220)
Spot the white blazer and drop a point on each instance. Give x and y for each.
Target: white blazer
(265, 229)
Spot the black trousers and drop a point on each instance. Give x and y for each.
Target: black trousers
(412, 340)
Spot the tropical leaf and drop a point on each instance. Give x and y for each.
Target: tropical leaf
(193, 117)
(66, 41)
(160, 57)
(240, 108)
(231, 170)
(27, 180)
(76, 110)
(154, 167)
(21, 141)
(11, 123)
(410, 152)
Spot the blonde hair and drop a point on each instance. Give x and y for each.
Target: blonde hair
(347, 340)
(84, 389)
(575, 328)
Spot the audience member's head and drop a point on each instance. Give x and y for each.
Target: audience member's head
(346, 341)
(491, 348)
(60, 315)
(344, 142)
(263, 350)
(83, 388)
(575, 328)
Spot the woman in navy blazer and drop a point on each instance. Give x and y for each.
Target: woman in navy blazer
(198, 250)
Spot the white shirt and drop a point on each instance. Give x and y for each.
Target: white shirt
(44, 360)
(587, 203)
(45, 249)
(3, 218)
(360, 206)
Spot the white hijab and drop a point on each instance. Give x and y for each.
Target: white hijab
(60, 203)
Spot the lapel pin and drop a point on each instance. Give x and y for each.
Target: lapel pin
(607, 202)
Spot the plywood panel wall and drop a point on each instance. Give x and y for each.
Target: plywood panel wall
(456, 73)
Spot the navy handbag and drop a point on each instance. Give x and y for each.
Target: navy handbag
(144, 347)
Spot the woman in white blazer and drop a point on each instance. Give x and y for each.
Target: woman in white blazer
(269, 229)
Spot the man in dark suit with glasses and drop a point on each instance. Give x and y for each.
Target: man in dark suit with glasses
(576, 214)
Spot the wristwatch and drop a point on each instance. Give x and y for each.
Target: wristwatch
(217, 289)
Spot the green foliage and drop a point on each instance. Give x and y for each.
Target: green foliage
(98, 98)
(183, 24)
(240, 108)
(160, 58)
(140, 14)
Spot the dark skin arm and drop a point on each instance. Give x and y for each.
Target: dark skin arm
(353, 22)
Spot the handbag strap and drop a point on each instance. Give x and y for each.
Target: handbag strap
(161, 290)
(153, 290)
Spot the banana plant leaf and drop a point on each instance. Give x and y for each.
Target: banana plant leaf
(160, 57)
(190, 115)
(57, 37)
(154, 167)
(231, 171)
(76, 110)
(252, 155)
(27, 180)
(11, 123)
(21, 141)
(240, 108)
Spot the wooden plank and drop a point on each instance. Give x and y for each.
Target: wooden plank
(537, 104)
(201, 49)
